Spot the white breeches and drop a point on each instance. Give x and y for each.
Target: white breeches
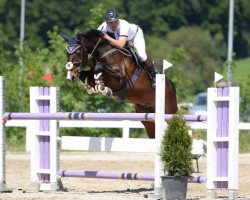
(139, 44)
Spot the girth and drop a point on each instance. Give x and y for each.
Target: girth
(120, 95)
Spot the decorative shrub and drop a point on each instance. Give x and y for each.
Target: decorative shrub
(176, 148)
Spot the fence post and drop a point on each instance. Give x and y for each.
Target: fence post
(222, 141)
(44, 133)
(2, 136)
(159, 130)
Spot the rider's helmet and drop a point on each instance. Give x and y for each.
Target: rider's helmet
(111, 15)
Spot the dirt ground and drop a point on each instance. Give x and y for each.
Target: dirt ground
(18, 177)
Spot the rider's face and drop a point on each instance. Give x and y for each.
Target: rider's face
(113, 25)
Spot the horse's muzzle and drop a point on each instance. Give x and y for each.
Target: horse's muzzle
(70, 77)
(69, 66)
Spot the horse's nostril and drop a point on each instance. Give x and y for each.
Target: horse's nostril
(73, 78)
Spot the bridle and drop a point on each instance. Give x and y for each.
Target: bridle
(71, 49)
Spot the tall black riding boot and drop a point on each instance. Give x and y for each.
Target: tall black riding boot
(151, 69)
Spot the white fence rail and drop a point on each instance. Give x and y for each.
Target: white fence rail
(125, 125)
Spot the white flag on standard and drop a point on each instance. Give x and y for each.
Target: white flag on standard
(166, 65)
(217, 77)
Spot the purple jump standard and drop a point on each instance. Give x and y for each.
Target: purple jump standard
(96, 116)
(117, 175)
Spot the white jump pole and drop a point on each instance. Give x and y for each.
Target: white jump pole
(159, 130)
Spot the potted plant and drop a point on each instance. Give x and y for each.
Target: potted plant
(176, 156)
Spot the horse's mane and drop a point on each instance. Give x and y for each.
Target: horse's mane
(92, 33)
(95, 33)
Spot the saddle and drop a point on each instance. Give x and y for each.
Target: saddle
(129, 46)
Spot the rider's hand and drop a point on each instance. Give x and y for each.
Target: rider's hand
(105, 35)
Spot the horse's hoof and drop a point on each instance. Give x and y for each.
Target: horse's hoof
(108, 92)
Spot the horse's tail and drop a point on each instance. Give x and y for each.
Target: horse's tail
(171, 82)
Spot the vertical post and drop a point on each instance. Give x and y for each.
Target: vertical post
(233, 134)
(230, 42)
(22, 24)
(159, 130)
(44, 133)
(54, 133)
(211, 146)
(2, 136)
(125, 129)
(223, 141)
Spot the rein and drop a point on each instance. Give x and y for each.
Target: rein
(95, 47)
(123, 51)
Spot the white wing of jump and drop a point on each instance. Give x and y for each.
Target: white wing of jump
(217, 77)
(166, 65)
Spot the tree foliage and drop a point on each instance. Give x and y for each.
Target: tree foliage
(192, 59)
(190, 34)
(245, 100)
(155, 17)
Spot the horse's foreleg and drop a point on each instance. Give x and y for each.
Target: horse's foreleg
(100, 87)
(88, 87)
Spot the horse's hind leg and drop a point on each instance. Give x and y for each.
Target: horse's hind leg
(149, 126)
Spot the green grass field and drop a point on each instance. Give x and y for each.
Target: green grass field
(242, 70)
(240, 73)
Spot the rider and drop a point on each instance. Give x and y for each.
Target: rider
(124, 32)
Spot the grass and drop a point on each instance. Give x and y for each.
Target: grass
(241, 71)
(244, 141)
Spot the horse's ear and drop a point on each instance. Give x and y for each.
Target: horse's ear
(65, 37)
(78, 36)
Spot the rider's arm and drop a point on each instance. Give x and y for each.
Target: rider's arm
(120, 43)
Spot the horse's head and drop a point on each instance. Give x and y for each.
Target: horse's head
(77, 57)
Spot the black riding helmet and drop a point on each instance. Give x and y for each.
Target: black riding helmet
(111, 15)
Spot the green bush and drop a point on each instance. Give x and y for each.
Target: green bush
(176, 148)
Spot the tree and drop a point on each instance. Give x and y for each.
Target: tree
(202, 56)
(245, 100)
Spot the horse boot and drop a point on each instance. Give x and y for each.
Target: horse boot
(149, 64)
(98, 75)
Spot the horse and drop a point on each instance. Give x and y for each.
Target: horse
(115, 73)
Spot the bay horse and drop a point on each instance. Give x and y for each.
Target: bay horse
(115, 73)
